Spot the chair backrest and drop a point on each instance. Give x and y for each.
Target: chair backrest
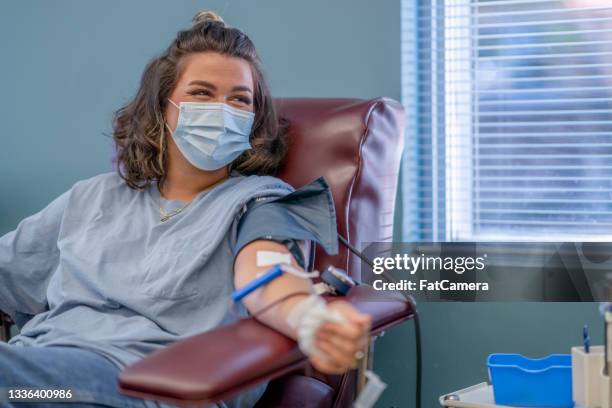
(356, 145)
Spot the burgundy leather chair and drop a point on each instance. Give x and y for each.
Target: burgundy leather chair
(356, 145)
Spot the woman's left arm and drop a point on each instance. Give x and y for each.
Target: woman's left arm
(340, 342)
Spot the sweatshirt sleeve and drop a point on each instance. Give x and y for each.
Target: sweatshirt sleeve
(28, 257)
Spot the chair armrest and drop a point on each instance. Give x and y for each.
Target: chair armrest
(386, 308)
(220, 363)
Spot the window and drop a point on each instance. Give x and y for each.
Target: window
(509, 106)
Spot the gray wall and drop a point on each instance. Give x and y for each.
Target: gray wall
(68, 64)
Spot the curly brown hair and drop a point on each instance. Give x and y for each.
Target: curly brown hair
(138, 127)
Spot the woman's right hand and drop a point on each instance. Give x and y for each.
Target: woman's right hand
(341, 344)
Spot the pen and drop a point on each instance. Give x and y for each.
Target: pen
(586, 339)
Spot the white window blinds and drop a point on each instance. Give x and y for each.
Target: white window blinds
(511, 133)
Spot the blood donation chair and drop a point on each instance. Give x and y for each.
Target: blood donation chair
(356, 145)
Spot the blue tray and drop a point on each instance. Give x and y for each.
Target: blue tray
(526, 382)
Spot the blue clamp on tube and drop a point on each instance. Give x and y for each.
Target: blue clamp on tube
(264, 279)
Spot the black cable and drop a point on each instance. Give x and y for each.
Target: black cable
(417, 325)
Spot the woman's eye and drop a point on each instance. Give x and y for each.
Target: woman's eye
(200, 92)
(243, 99)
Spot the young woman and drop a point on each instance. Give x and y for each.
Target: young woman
(127, 262)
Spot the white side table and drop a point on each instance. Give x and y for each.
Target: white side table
(476, 396)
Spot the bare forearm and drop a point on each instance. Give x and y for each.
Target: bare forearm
(277, 315)
(337, 341)
(284, 286)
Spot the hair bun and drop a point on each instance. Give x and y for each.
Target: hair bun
(206, 16)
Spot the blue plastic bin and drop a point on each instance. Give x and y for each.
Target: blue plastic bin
(526, 382)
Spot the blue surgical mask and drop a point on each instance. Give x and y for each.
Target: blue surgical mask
(211, 134)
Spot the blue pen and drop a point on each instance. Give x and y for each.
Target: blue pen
(586, 339)
(264, 279)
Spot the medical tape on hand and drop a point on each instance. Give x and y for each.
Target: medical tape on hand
(306, 317)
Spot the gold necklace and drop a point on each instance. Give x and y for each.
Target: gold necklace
(165, 216)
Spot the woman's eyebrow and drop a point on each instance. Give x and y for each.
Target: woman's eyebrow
(214, 88)
(203, 83)
(241, 88)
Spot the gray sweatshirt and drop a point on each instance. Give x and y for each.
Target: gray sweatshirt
(98, 270)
